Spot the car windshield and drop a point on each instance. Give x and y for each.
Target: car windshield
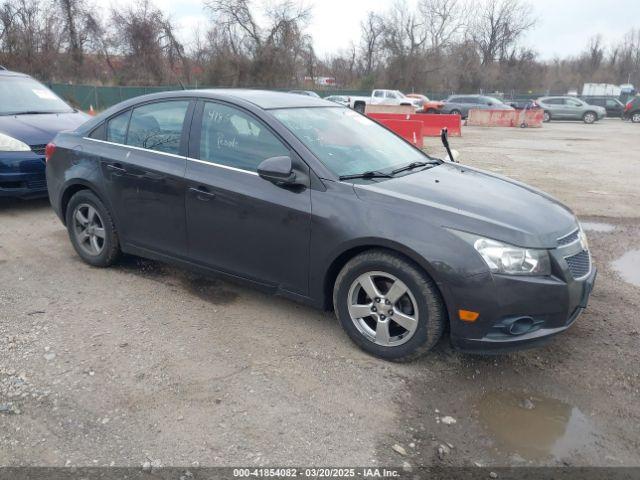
(19, 95)
(346, 142)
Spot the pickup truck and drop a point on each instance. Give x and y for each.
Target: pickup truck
(383, 97)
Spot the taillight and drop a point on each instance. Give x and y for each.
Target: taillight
(49, 151)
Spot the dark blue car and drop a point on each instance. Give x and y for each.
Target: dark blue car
(30, 116)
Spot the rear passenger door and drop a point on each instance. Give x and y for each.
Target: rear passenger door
(238, 222)
(144, 168)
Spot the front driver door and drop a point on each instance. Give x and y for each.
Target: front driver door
(238, 222)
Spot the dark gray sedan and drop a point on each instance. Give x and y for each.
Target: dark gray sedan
(312, 201)
(461, 104)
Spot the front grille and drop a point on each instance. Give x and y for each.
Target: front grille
(566, 240)
(37, 184)
(38, 149)
(579, 264)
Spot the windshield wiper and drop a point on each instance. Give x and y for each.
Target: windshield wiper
(366, 175)
(411, 166)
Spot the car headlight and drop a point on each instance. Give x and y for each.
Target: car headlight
(508, 259)
(10, 144)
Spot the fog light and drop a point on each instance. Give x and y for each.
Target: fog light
(521, 326)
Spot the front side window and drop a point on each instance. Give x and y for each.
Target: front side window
(347, 142)
(158, 126)
(23, 95)
(231, 137)
(117, 128)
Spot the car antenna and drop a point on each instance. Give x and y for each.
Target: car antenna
(444, 137)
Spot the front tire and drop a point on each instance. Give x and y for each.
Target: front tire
(91, 229)
(589, 118)
(456, 112)
(388, 306)
(635, 117)
(546, 117)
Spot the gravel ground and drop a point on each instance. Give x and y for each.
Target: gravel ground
(144, 362)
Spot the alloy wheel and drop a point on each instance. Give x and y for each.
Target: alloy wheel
(383, 309)
(547, 116)
(589, 118)
(88, 229)
(635, 118)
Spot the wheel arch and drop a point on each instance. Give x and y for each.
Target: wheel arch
(350, 251)
(70, 189)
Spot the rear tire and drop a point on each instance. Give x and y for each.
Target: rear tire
(456, 112)
(635, 117)
(359, 107)
(432, 110)
(411, 320)
(589, 117)
(91, 229)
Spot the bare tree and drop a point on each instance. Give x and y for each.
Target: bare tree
(498, 27)
(371, 30)
(444, 21)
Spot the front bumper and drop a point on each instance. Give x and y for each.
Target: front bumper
(22, 175)
(546, 306)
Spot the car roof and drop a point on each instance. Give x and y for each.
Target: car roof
(262, 99)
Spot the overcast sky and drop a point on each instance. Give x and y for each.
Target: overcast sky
(563, 28)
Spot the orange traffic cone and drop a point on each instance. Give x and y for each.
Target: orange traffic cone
(92, 112)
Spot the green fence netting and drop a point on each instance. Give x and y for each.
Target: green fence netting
(100, 98)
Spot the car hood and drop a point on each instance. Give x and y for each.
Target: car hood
(41, 128)
(471, 200)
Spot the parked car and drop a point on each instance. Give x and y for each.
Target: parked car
(315, 202)
(632, 110)
(30, 116)
(570, 108)
(308, 93)
(524, 104)
(426, 105)
(383, 97)
(612, 106)
(461, 104)
(341, 99)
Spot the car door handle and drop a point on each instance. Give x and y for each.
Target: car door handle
(202, 193)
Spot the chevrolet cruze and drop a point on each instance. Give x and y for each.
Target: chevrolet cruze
(315, 202)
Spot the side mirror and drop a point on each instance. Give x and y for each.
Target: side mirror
(278, 170)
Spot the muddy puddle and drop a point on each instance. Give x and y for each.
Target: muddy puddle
(534, 427)
(599, 227)
(628, 267)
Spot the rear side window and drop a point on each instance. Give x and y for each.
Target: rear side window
(378, 94)
(553, 101)
(231, 137)
(158, 126)
(117, 128)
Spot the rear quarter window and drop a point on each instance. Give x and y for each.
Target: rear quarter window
(116, 130)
